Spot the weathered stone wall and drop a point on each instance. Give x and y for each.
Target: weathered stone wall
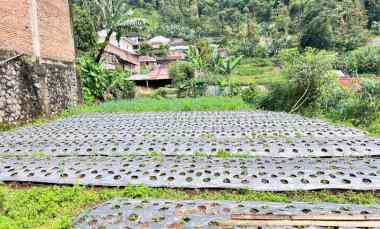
(29, 89)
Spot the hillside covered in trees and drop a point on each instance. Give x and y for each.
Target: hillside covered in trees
(250, 26)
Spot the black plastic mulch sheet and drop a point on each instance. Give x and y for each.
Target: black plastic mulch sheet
(122, 213)
(188, 133)
(259, 174)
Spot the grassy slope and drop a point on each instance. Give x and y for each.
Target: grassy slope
(257, 71)
(56, 207)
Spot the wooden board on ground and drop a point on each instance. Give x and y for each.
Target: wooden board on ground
(330, 220)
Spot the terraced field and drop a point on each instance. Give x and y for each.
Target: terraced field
(240, 150)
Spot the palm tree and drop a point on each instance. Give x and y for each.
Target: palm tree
(114, 17)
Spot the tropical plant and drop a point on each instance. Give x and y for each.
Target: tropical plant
(94, 79)
(196, 59)
(365, 60)
(84, 31)
(226, 65)
(181, 71)
(121, 87)
(192, 88)
(115, 17)
(306, 73)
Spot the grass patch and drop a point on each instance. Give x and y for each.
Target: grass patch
(257, 71)
(147, 105)
(226, 154)
(56, 207)
(164, 105)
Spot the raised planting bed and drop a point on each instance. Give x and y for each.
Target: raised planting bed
(258, 174)
(123, 213)
(189, 133)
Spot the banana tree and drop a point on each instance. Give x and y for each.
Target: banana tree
(196, 59)
(228, 64)
(114, 17)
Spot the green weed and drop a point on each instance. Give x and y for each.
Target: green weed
(53, 207)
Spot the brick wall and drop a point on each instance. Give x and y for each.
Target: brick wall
(54, 31)
(15, 26)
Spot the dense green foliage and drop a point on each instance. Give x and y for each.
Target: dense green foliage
(362, 107)
(181, 71)
(365, 60)
(305, 73)
(177, 104)
(101, 84)
(247, 27)
(57, 207)
(250, 26)
(312, 88)
(85, 34)
(339, 25)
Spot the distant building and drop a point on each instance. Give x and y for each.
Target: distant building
(120, 54)
(158, 41)
(147, 61)
(117, 58)
(170, 58)
(179, 48)
(158, 77)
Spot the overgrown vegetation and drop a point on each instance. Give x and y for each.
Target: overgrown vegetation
(56, 207)
(365, 60)
(101, 84)
(164, 105)
(312, 88)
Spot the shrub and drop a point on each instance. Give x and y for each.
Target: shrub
(362, 108)
(160, 93)
(306, 73)
(231, 88)
(121, 87)
(375, 28)
(365, 60)
(251, 95)
(181, 71)
(100, 84)
(280, 97)
(192, 88)
(94, 79)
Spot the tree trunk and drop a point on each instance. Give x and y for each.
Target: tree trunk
(103, 47)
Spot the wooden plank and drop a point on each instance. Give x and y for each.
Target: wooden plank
(254, 223)
(318, 217)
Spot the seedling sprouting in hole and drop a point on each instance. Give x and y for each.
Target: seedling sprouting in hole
(155, 154)
(40, 155)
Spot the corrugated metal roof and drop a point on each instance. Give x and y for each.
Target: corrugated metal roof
(160, 73)
(125, 55)
(147, 59)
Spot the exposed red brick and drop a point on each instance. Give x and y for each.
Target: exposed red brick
(15, 26)
(54, 27)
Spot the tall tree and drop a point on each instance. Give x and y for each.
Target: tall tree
(373, 9)
(114, 16)
(338, 25)
(84, 31)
